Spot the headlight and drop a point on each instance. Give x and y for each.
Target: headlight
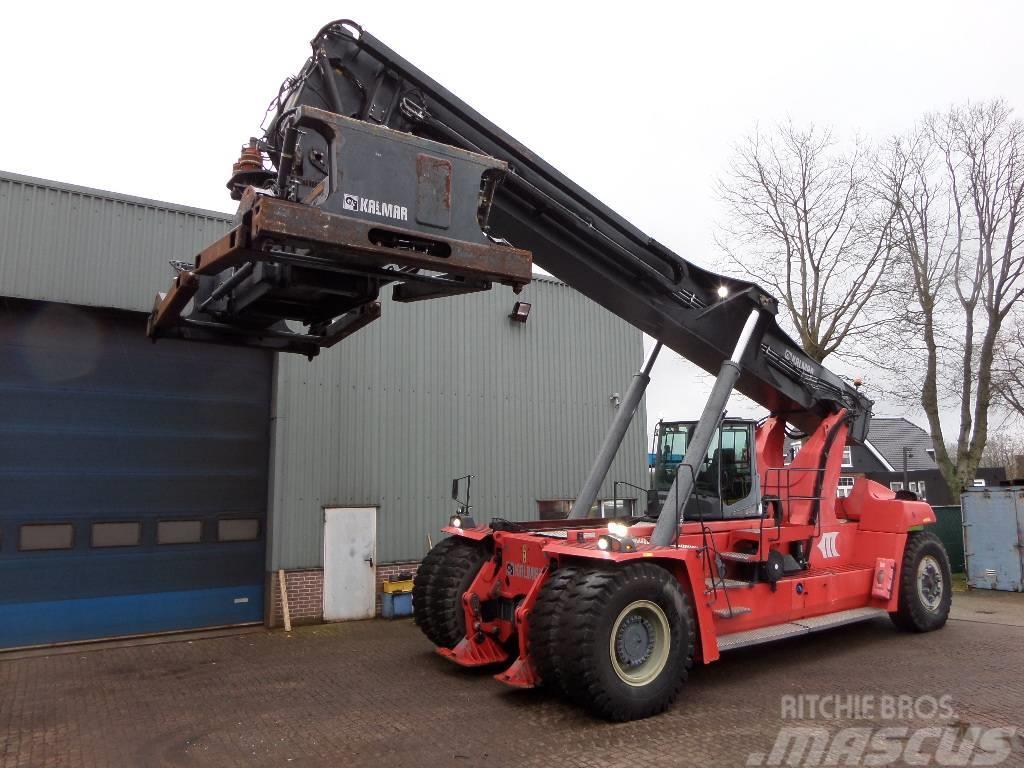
(618, 529)
(612, 543)
(461, 521)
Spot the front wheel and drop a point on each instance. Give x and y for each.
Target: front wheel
(627, 641)
(444, 575)
(925, 585)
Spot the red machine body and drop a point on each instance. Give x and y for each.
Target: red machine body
(854, 548)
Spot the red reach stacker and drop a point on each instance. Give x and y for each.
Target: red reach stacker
(370, 174)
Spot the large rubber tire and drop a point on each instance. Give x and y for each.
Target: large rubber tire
(925, 584)
(627, 598)
(422, 584)
(442, 578)
(545, 622)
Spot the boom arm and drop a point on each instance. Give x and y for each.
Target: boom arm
(334, 115)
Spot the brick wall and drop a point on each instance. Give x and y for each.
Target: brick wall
(306, 592)
(305, 597)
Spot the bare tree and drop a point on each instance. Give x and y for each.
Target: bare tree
(957, 187)
(1002, 450)
(801, 218)
(1009, 371)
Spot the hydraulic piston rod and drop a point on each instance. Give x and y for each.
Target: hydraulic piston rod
(613, 439)
(665, 532)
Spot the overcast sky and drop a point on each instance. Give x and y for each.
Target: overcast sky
(639, 103)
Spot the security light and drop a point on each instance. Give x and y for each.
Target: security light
(723, 292)
(520, 311)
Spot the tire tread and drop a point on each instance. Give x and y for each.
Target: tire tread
(911, 615)
(440, 581)
(545, 623)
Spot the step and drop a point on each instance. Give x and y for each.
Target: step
(727, 584)
(740, 557)
(731, 641)
(731, 612)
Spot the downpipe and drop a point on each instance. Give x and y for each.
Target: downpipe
(666, 530)
(613, 438)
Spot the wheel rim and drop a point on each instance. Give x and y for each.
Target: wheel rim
(640, 642)
(929, 583)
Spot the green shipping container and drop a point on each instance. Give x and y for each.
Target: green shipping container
(949, 526)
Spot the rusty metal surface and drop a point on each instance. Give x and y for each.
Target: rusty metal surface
(290, 261)
(225, 252)
(248, 170)
(336, 235)
(169, 306)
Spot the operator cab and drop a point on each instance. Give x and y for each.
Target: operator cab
(726, 484)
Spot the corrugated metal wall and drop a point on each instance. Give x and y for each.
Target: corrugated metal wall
(59, 242)
(445, 388)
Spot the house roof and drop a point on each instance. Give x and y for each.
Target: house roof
(889, 436)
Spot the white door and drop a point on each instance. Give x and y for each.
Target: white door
(350, 563)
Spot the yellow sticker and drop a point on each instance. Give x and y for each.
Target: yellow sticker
(647, 554)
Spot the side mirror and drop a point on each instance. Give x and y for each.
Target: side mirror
(457, 492)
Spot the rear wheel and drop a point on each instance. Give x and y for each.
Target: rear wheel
(925, 584)
(442, 578)
(627, 640)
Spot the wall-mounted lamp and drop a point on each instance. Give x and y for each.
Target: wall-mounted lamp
(520, 311)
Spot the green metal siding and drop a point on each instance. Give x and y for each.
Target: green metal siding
(444, 388)
(60, 242)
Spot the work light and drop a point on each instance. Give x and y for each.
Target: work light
(617, 539)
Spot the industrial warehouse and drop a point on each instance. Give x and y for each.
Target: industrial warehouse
(157, 487)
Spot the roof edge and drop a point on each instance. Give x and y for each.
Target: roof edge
(62, 186)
